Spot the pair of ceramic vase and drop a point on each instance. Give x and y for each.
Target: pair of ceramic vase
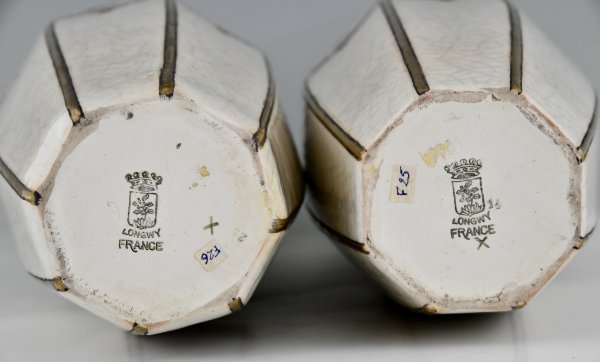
(150, 174)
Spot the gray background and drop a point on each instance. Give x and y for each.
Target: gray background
(312, 303)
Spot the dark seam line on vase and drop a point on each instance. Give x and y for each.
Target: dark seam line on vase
(260, 136)
(408, 53)
(586, 142)
(342, 239)
(166, 86)
(31, 196)
(516, 50)
(280, 225)
(349, 143)
(63, 75)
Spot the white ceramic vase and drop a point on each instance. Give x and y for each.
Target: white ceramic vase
(451, 152)
(150, 174)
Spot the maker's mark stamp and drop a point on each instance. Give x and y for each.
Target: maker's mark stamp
(469, 203)
(468, 189)
(142, 213)
(143, 199)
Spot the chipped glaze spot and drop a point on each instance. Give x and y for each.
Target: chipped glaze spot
(203, 171)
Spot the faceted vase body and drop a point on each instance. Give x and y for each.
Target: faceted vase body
(450, 152)
(155, 169)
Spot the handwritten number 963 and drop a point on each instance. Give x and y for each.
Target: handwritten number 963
(403, 180)
(210, 255)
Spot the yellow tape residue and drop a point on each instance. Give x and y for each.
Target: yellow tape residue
(433, 154)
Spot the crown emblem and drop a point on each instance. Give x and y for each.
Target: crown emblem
(464, 168)
(144, 181)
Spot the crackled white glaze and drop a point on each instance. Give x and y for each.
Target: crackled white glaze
(156, 212)
(27, 229)
(30, 135)
(355, 81)
(470, 198)
(225, 74)
(335, 201)
(99, 60)
(589, 193)
(287, 177)
(443, 32)
(555, 85)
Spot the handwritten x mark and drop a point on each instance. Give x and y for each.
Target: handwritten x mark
(482, 243)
